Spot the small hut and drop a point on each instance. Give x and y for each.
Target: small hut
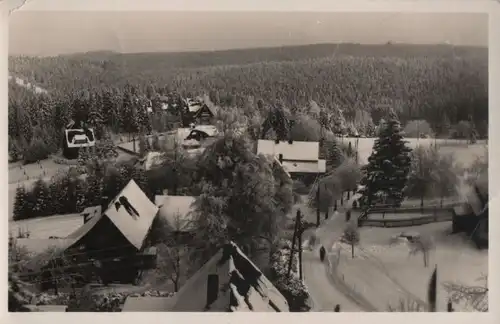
(76, 136)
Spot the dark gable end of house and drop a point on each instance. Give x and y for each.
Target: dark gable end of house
(229, 282)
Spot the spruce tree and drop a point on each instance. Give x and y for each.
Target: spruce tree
(332, 153)
(55, 194)
(106, 148)
(388, 166)
(41, 194)
(20, 203)
(143, 145)
(446, 126)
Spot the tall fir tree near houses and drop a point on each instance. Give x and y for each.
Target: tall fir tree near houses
(386, 173)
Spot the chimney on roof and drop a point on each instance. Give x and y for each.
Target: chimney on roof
(212, 290)
(277, 141)
(165, 192)
(290, 141)
(280, 158)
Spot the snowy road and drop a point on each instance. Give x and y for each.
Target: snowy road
(324, 293)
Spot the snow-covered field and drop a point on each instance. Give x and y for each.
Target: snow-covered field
(44, 227)
(464, 153)
(27, 175)
(385, 273)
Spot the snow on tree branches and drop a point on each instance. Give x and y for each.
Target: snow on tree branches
(388, 166)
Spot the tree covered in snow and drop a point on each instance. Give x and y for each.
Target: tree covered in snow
(338, 121)
(241, 198)
(416, 128)
(41, 193)
(332, 152)
(423, 176)
(306, 129)
(388, 166)
(19, 294)
(291, 287)
(351, 236)
(105, 148)
(20, 203)
(278, 121)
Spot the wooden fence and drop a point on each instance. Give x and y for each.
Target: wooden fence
(439, 215)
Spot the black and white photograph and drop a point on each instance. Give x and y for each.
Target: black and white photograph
(244, 161)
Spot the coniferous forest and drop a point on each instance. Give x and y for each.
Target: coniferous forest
(447, 87)
(314, 93)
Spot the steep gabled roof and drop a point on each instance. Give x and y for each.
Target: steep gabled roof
(132, 213)
(85, 228)
(242, 286)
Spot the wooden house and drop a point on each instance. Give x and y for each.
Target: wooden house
(299, 159)
(472, 217)
(197, 112)
(111, 244)
(228, 282)
(76, 136)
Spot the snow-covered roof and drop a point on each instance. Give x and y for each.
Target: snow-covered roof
(305, 167)
(85, 228)
(296, 151)
(193, 104)
(132, 213)
(210, 130)
(91, 212)
(152, 159)
(183, 132)
(243, 278)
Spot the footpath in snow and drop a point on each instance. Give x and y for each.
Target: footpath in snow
(325, 294)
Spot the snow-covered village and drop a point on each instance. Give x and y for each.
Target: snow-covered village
(322, 174)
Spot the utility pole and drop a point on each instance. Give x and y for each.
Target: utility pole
(133, 142)
(292, 250)
(327, 208)
(357, 150)
(317, 204)
(299, 232)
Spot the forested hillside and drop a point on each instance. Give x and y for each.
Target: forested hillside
(443, 85)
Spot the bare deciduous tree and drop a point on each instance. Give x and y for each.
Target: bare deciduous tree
(424, 245)
(351, 236)
(172, 253)
(473, 296)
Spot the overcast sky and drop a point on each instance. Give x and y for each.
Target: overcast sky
(59, 32)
